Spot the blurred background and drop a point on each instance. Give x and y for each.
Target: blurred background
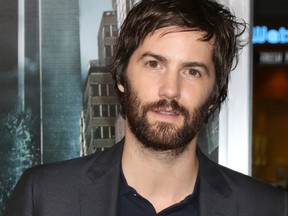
(270, 91)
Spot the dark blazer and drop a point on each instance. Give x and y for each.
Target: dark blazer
(89, 186)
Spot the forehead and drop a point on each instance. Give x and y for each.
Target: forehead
(177, 42)
(172, 31)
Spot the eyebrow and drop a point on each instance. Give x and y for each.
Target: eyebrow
(184, 64)
(153, 55)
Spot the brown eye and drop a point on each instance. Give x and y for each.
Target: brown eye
(153, 64)
(193, 72)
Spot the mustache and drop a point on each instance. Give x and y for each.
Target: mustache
(162, 104)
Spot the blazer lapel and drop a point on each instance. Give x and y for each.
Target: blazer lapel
(99, 195)
(215, 191)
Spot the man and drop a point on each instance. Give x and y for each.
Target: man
(171, 72)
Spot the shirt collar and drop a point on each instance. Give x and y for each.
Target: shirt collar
(192, 198)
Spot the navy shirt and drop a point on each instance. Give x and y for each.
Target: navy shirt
(132, 204)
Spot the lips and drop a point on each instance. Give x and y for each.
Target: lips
(170, 112)
(165, 108)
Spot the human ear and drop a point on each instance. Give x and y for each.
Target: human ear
(120, 87)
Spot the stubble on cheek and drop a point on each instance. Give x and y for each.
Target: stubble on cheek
(161, 136)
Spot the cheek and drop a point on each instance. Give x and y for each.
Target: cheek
(194, 98)
(146, 91)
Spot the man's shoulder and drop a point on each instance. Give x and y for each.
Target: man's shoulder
(250, 187)
(237, 192)
(55, 188)
(69, 164)
(73, 170)
(240, 184)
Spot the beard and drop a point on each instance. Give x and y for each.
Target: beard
(162, 136)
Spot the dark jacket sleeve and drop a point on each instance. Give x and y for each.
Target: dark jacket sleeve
(20, 202)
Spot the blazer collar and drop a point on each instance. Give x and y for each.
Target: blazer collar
(215, 191)
(100, 195)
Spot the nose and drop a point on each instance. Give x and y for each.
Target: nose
(170, 86)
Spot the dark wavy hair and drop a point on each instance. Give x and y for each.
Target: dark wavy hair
(208, 16)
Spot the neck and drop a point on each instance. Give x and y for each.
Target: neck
(162, 178)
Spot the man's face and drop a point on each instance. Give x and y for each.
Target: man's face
(169, 81)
